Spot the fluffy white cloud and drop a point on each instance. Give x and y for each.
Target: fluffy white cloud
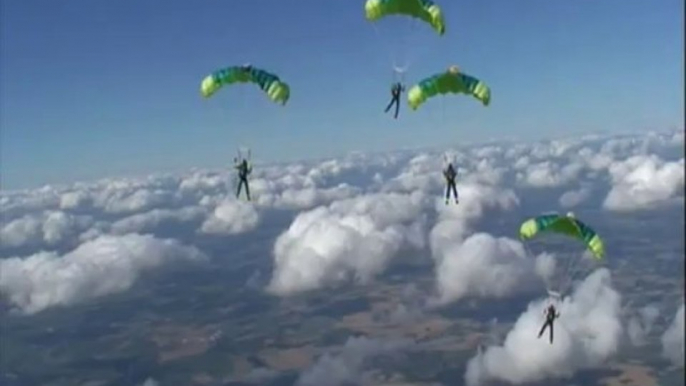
(231, 217)
(673, 339)
(355, 237)
(588, 333)
(641, 324)
(105, 265)
(49, 228)
(478, 264)
(148, 221)
(305, 197)
(642, 182)
(484, 266)
(575, 197)
(548, 174)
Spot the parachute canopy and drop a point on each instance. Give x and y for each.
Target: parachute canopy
(451, 81)
(564, 225)
(276, 90)
(424, 10)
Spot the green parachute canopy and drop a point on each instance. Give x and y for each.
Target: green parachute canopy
(276, 90)
(424, 10)
(451, 81)
(564, 225)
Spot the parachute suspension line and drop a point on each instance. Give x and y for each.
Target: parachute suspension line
(533, 256)
(401, 60)
(553, 291)
(386, 45)
(443, 124)
(411, 44)
(575, 268)
(565, 279)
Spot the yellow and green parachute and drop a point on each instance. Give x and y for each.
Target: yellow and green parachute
(566, 269)
(451, 81)
(424, 10)
(565, 225)
(277, 90)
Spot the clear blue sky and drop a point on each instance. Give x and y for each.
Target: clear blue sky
(92, 88)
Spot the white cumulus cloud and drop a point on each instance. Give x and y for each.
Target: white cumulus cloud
(231, 217)
(673, 339)
(587, 333)
(102, 266)
(643, 182)
(355, 237)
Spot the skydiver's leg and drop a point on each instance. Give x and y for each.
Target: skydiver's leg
(551, 332)
(454, 189)
(247, 189)
(397, 107)
(390, 104)
(240, 185)
(447, 192)
(543, 329)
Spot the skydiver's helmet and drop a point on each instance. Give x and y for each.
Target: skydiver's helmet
(454, 70)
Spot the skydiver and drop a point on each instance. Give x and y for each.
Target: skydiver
(449, 173)
(396, 89)
(550, 315)
(246, 67)
(244, 171)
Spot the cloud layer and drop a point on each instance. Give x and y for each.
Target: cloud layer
(350, 217)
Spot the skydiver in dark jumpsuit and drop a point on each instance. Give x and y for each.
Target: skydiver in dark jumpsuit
(550, 315)
(244, 171)
(396, 90)
(449, 173)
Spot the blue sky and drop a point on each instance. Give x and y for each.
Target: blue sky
(98, 88)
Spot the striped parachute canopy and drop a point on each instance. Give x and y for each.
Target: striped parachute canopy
(450, 82)
(424, 10)
(276, 90)
(566, 225)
